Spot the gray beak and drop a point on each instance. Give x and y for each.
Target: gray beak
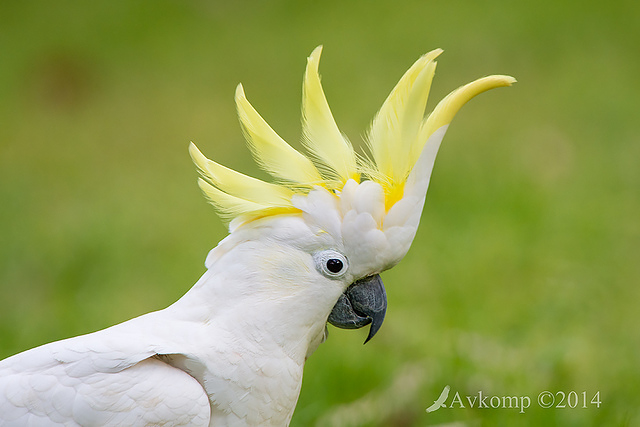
(364, 302)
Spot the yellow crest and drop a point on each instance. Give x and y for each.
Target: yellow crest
(396, 139)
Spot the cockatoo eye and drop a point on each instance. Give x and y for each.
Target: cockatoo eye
(331, 263)
(334, 265)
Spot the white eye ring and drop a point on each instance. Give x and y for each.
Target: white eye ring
(331, 264)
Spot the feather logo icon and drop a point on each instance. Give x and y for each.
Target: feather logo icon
(439, 402)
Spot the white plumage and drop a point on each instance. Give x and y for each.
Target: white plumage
(301, 252)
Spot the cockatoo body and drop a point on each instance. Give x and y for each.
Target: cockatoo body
(302, 251)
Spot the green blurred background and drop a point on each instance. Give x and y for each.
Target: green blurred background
(523, 277)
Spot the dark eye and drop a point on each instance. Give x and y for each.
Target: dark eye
(331, 263)
(334, 265)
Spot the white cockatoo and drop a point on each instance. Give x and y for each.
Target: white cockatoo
(303, 251)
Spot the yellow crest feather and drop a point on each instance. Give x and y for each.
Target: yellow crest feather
(328, 146)
(394, 133)
(237, 209)
(271, 152)
(240, 185)
(447, 108)
(239, 196)
(395, 127)
(396, 140)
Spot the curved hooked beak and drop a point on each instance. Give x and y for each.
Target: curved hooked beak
(364, 302)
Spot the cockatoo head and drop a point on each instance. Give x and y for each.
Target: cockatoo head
(333, 220)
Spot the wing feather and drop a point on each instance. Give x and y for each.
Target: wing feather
(67, 386)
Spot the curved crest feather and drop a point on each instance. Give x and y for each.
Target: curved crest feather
(396, 141)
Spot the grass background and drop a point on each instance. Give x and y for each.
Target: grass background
(523, 277)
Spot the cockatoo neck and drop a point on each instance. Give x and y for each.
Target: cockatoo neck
(266, 288)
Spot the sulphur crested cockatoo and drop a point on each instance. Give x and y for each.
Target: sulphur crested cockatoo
(303, 251)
